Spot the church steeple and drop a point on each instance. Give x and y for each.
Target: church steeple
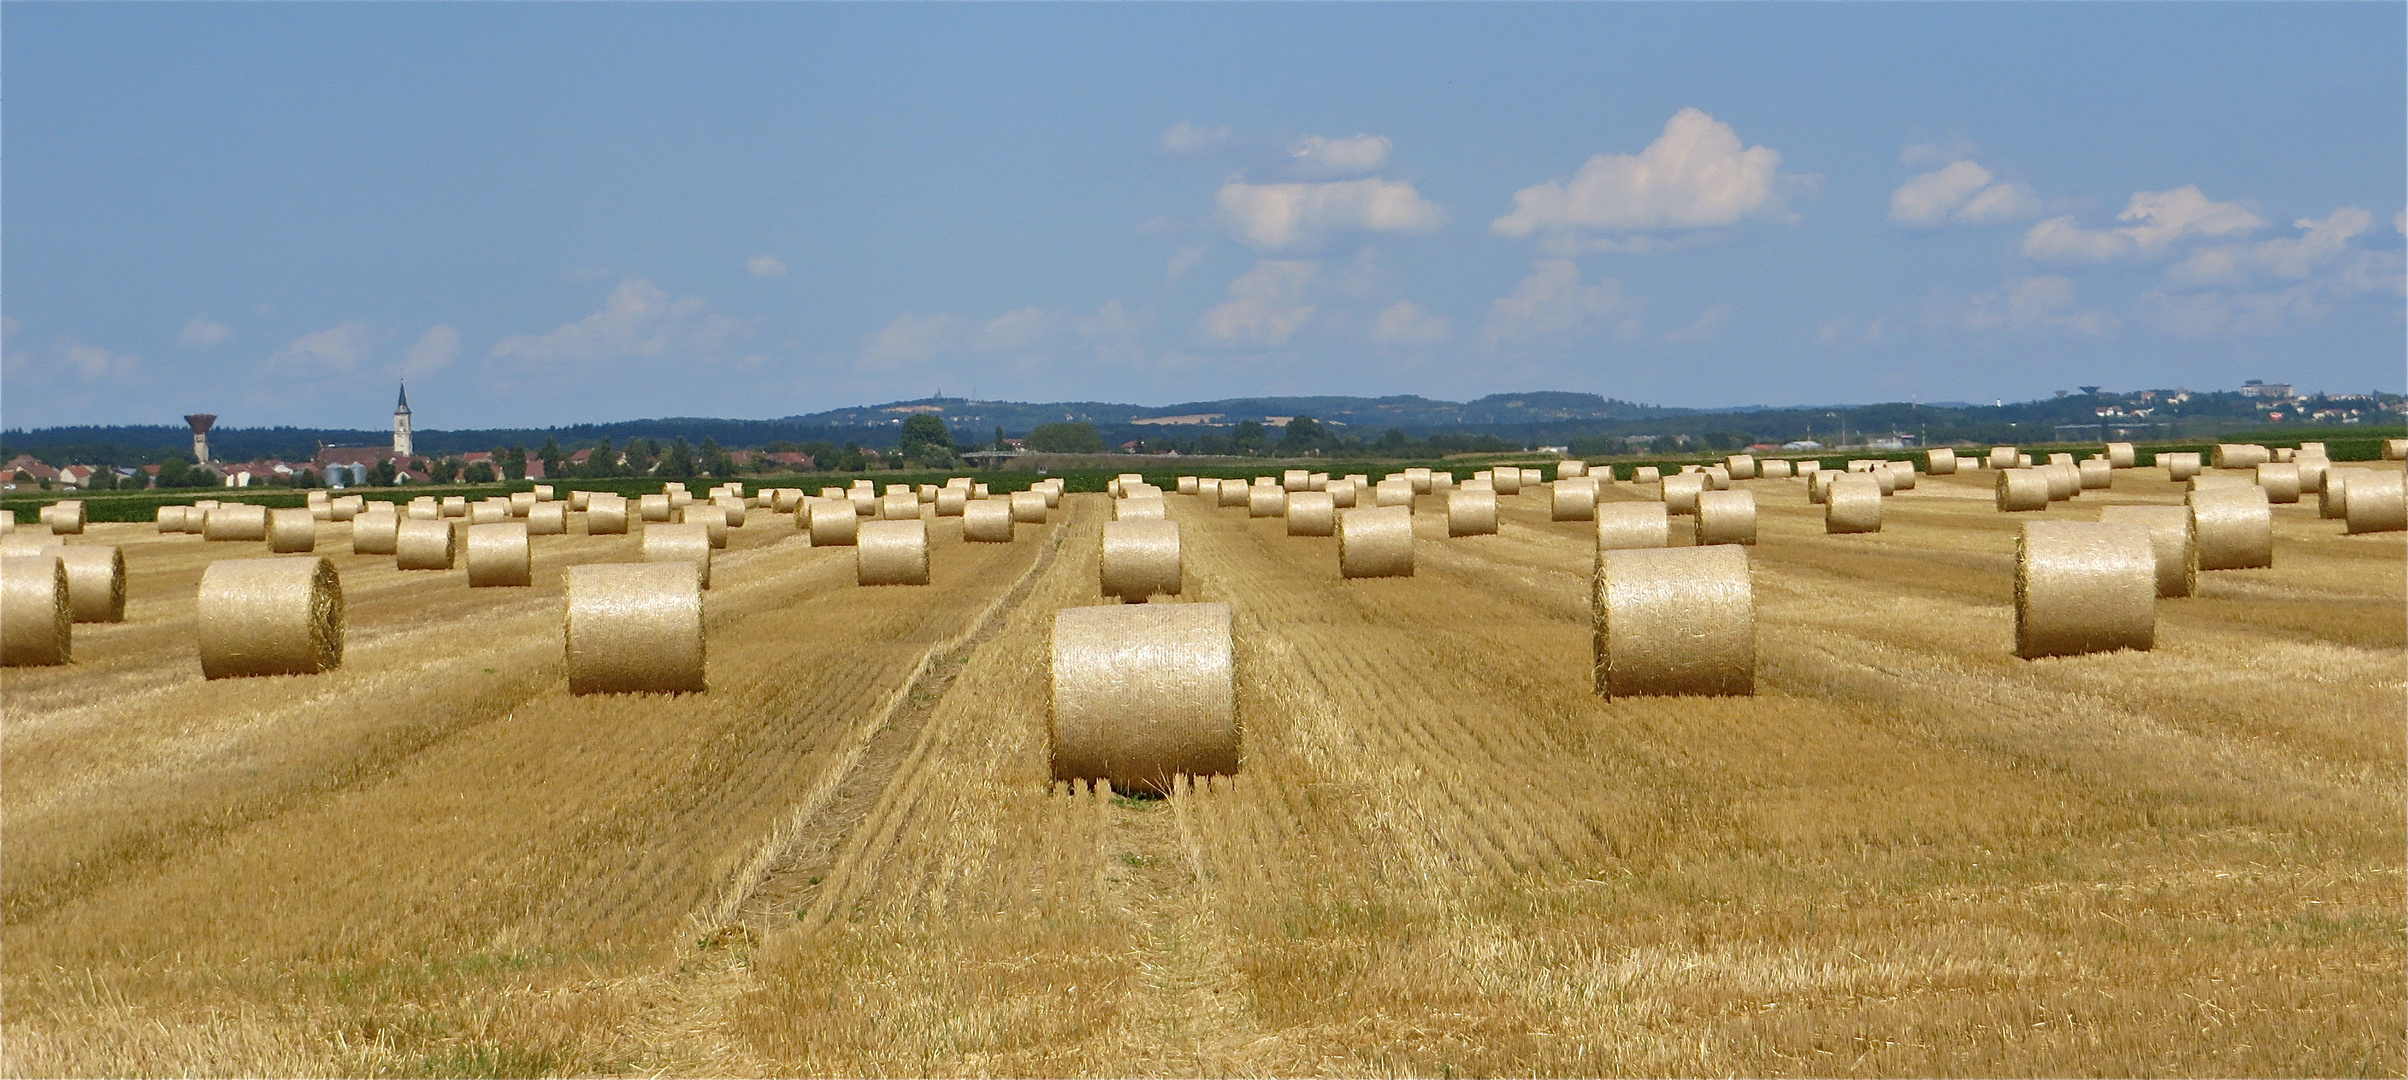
(401, 424)
(403, 409)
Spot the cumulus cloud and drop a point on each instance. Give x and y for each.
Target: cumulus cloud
(2273, 285)
(1182, 261)
(1187, 138)
(1707, 327)
(202, 332)
(2158, 220)
(91, 363)
(2034, 305)
(1964, 193)
(1360, 154)
(639, 320)
(1275, 216)
(1111, 333)
(909, 341)
(2321, 241)
(1553, 303)
(1266, 305)
(765, 266)
(1013, 330)
(340, 347)
(1407, 323)
(1696, 175)
(434, 351)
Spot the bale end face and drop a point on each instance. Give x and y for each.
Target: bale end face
(36, 615)
(1143, 695)
(95, 580)
(1633, 525)
(2084, 587)
(1573, 499)
(278, 616)
(1674, 621)
(635, 628)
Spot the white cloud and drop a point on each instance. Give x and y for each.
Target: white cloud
(340, 347)
(1182, 261)
(1111, 333)
(1963, 193)
(91, 363)
(1954, 148)
(1187, 138)
(203, 332)
(1274, 216)
(1360, 154)
(638, 320)
(2159, 219)
(2034, 305)
(1553, 303)
(2290, 258)
(765, 266)
(1696, 175)
(1407, 323)
(1013, 330)
(434, 351)
(909, 341)
(1707, 327)
(1266, 305)
(2309, 273)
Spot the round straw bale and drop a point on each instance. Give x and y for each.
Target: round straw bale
(679, 497)
(1726, 517)
(892, 552)
(899, 507)
(2395, 449)
(2378, 502)
(865, 502)
(1266, 500)
(1312, 513)
(1143, 695)
(170, 518)
(1852, 504)
(653, 508)
(488, 511)
(1940, 461)
(1442, 481)
(1053, 493)
(2022, 489)
(2180, 466)
(1471, 512)
(734, 509)
(1633, 525)
(1295, 479)
(2332, 499)
(95, 580)
(452, 506)
(1316, 481)
(927, 493)
(2122, 455)
(2233, 527)
(272, 616)
(1646, 474)
(710, 517)
(1741, 466)
(2280, 480)
(606, 515)
(542, 493)
(1141, 557)
(2316, 448)
(1479, 483)
(786, 500)
(65, 517)
(2061, 459)
(1344, 494)
(1028, 506)
(2064, 480)
(1140, 508)
(376, 529)
(987, 521)
(1818, 483)
(1681, 492)
(423, 545)
(1233, 493)
(2084, 587)
(979, 491)
(2096, 474)
(548, 519)
(1568, 468)
(2169, 542)
(688, 542)
(235, 521)
(1186, 485)
(635, 628)
(2023, 461)
(291, 530)
(1883, 476)
(1393, 493)
(579, 500)
(321, 507)
(834, 523)
(497, 555)
(1777, 469)
(2312, 468)
(1375, 541)
(347, 507)
(1573, 498)
(1420, 478)
(8, 522)
(832, 493)
(1902, 475)
(1360, 481)
(2241, 455)
(36, 615)
(1674, 621)
(521, 502)
(1717, 477)
(2004, 457)
(1507, 479)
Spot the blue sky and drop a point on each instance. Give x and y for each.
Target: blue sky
(557, 213)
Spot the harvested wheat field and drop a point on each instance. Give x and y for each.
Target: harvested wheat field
(1908, 853)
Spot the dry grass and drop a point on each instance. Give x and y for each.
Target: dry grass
(1910, 854)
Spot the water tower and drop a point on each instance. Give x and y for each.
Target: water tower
(200, 435)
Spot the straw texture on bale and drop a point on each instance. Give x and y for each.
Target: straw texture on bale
(2377, 503)
(1028, 507)
(1294, 480)
(1717, 478)
(786, 500)
(375, 531)
(1266, 500)
(1375, 541)
(521, 502)
(1316, 482)
(2284, 453)
(1312, 513)
(1234, 493)
(926, 493)
(1568, 469)
(170, 518)
(1674, 621)
(1143, 695)
(865, 502)
(292, 530)
(2280, 481)
(1344, 494)
(2332, 500)
(951, 501)
(2084, 587)
(1186, 485)
(2095, 474)
(2180, 466)
(2241, 455)
(1471, 512)
(2005, 457)
(1573, 498)
(1940, 462)
(1140, 508)
(1442, 481)
(453, 506)
(606, 515)
(1818, 483)
(734, 509)
(347, 507)
(1140, 557)
(713, 522)
(1507, 479)
(497, 555)
(1883, 476)
(1633, 525)
(1420, 479)
(653, 508)
(987, 521)
(548, 519)
(2395, 449)
(1397, 493)
(2232, 527)
(1852, 504)
(579, 500)
(2169, 542)
(689, 543)
(423, 545)
(65, 517)
(320, 506)
(1902, 475)
(1741, 466)
(2122, 455)
(424, 507)
(235, 521)
(95, 580)
(834, 523)
(1053, 493)
(270, 617)
(1726, 517)
(902, 506)
(1646, 474)
(892, 552)
(635, 628)
(2064, 480)
(8, 522)
(2312, 468)
(1681, 492)
(2022, 489)
(542, 493)
(36, 615)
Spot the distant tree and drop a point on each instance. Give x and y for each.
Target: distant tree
(642, 455)
(1066, 438)
(444, 470)
(824, 455)
(1215, 444)
(382, 474)
(480, 472)
(679, 460)
(714, 460)
(1304, 436)
(1249, 437)
(552, 457)
(604, 461)
(999, 436)
(926, 439)
(302, 478)
(174, 472)
(511, 463)
(853, 459)
(1394, 442)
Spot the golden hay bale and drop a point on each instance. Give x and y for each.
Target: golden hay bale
(2378, 502)
(1852, 504)
(36, 615)
(292, 530)
(376, 529)
(8, 522)
(579, 500)
(1233, 493)
(1646, 474)
(2064, 480)
(834, 523)
(1312, 513)
(1883, 476)
(865, 502)
(2332, 499)
(1141, 557)
(1506, 479)
(1902, 475)
(2022, 489)
(1208, 490)
(1393, 493)
(2061, 459)
(1740, 466)
(542, 493)
(1573, 498)
(987, 521)
(2232, 527)
(2180, 466)
(927, 493)
(1674, 621)
(635, 628)
(832, 493)
(2284, 454)
(606, 515)
(1681, 492)
(2312, 468)
(892, 552)
(321, 506)
(2095, 474)
(1781, 469)
(1140, 508)
(1143, 695)
(1726, 517)
(1420, 479)
(1052, 490)
(65, 517)
(1818, 483)
(785, 500)
(1633, 525)
(1471, 512)
(95, 580)
(653, 509)
(235, 521)
(2084, 587)
(1295, 479)
(711, 518)
(688, 542)
(548, 519)
(271, 617)
(734, 509)
(1316, 481)
(453, 506)
(679, 497)
(2395, 449)
(1717, 478)
(1442, 481)
(2169, 542)
(497, 555)
(1186, 485)
(1479, 483)
(2122, 455)
(1266, 500)
(1375, 541)
(2280, 480)
(1940, 462)
(170, 518)
(1344, 494)
(2241, 455)
(2005, 457)
(521, 502)
(1028, 506)
(1568, 469)
(347, 507)
(420, 544)
(488, 511)
(899, 507)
